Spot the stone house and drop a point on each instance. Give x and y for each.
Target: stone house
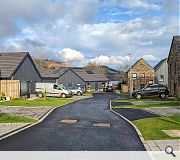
(140, 75)
(174, 67)
(161, 72)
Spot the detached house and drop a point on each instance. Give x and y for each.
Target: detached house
(140, 75)
(19, 66)
(161, 72)
(87, 79)
(174, 67)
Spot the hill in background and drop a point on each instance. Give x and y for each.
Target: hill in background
(50, 64)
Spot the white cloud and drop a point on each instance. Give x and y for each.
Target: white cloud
(69, 55)
(102, 59)
(145, 4)
(150, 57)
(45, 27)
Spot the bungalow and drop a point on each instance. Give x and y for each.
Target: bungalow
(161, 72)
(174, 67)
(140, 75)
(88, 79)
(19, 66)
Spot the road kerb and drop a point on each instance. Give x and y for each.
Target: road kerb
(39, 121)
(136, 129)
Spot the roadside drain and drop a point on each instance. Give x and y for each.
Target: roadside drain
(69, 121)
(101, 124)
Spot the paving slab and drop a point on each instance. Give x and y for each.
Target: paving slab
(6, 128)
(160, 145)
(151, 143)
(172, 133)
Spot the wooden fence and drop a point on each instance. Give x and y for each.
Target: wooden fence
(11, 88)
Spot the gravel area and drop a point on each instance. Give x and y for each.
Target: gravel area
(149, 102)
(9, 127)
(30, 112)
(165, 111)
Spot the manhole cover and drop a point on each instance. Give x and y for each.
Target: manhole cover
(69, 121)
(101, 124)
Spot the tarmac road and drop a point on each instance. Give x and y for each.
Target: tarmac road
(52, 135)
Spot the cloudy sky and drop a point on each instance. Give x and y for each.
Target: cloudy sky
(82, 31)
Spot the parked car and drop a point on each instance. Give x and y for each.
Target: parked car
(152, 91)
(52, 89)
(109, 89)
(75, 91)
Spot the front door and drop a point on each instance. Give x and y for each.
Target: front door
(28, 89)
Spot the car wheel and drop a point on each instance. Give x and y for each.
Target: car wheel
(40, 95)
(138, 96)
(79, 93)
(162, 95)
(63, 95)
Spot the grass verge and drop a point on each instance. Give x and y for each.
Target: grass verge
(7, 118)
(53, 102)
(172, 104)
(151, 128)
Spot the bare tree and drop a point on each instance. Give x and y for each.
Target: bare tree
(122, 72)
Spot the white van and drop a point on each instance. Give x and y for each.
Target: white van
(51, 89)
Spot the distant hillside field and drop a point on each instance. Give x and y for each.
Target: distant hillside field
(50, 64)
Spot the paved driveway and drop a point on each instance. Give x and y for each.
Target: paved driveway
(53, 135)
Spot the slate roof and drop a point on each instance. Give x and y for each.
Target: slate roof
(138, 62)
(95, 76)
(159, 64)
(10, 61)
(175, 41)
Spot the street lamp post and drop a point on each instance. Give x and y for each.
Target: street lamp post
(131, 77)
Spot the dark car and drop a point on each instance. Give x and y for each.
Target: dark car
(109, 89)
(152, 91)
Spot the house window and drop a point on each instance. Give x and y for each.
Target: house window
(142, 75)
(142, 86)
(69, 85)
(161, 78)
(134, 75)
(151, 82)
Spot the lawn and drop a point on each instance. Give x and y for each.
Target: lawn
(172, 104)
(151, 128)
(38, 102)
(6, 118)
(141, 100)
